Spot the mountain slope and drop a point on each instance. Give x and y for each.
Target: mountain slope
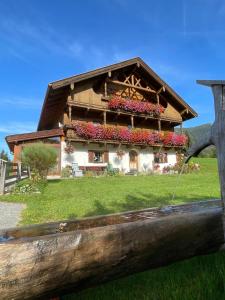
(194, 133)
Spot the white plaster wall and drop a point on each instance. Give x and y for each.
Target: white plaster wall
(80, 156)
(172, 158)
(146, 158)
(123, 163)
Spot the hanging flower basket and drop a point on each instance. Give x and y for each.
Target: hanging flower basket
(69, 149)
(120, 154)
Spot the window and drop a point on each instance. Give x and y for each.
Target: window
(160, 157)
(97, 156)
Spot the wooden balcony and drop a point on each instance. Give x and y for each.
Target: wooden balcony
(72, 136)
(94, 107)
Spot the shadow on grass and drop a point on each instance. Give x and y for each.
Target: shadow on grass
(54, 181)
(141, 201)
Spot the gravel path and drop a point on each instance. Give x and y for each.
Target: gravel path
(10, 214)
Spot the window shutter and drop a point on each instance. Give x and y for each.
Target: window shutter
(106, 156)
(90, 156)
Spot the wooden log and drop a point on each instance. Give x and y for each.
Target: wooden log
(49, 260)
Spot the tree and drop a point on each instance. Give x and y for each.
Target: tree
(40, 158)
(4, 155)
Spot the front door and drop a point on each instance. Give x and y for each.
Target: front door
(133, 160)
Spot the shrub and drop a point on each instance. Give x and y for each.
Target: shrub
(89, 174)
(66, 172)
(40, 158)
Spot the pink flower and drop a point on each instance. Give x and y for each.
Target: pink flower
(88, 130)
(135, 106)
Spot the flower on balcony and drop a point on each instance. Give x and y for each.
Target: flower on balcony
(136, 106)
(124, 134)
(173, 139)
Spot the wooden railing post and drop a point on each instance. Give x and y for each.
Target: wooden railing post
(18, 170)
(2, 176)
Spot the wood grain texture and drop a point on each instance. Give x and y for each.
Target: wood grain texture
(52, 259)
(216, 135)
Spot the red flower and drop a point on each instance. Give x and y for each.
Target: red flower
(124, 134)
(135, 106)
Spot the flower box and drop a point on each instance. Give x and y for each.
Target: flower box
(135, 106)
(124, 134)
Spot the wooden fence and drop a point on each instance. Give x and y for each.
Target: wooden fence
(10, 174)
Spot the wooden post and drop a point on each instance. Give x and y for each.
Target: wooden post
(70, 113)
(104, 117)
(2, 176)
(28, 172)
(132, 121)
(106, 92)
(18, 170)
(216, 134)
(159, 124)
(181, 128)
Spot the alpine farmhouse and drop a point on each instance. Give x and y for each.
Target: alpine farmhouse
(123, 114)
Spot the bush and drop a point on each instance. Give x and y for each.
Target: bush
(66, 172)
(40, 158)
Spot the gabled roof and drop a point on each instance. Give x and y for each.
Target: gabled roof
(16, 138)
(59, 87)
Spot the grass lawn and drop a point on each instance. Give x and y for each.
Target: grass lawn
(198, 278)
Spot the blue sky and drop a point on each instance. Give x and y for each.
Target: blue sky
(42, 41)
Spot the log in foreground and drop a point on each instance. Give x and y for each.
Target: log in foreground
(51, 259)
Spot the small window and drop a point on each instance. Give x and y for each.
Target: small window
(98, 156)
(160, 157)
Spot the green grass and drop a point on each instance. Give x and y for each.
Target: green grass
(198, 278)
(63, 199)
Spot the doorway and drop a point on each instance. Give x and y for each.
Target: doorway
(133, 155)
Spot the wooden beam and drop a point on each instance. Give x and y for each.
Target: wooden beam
(70, 113)
(157, 97)
(105, 88)
(161, 89)
(159, 124)
(87, 111)
(132, 121)
(181, 128)
(72, 86)
(132, 86)
(104, 117)
(184, 111)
